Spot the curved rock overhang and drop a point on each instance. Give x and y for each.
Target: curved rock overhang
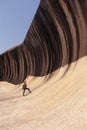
(56, 37)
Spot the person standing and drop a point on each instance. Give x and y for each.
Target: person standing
(24, 87)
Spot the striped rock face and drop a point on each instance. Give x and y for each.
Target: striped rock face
(57, 36)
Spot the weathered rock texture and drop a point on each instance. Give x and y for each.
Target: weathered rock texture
(56, 37)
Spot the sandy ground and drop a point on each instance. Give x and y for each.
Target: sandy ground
(59, 103)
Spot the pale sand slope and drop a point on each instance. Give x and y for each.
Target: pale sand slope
(58, 104)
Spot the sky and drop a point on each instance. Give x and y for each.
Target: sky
(15, 19)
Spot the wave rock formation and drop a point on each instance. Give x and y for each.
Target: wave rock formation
(56, 37)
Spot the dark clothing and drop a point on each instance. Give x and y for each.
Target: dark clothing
(24, 87)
